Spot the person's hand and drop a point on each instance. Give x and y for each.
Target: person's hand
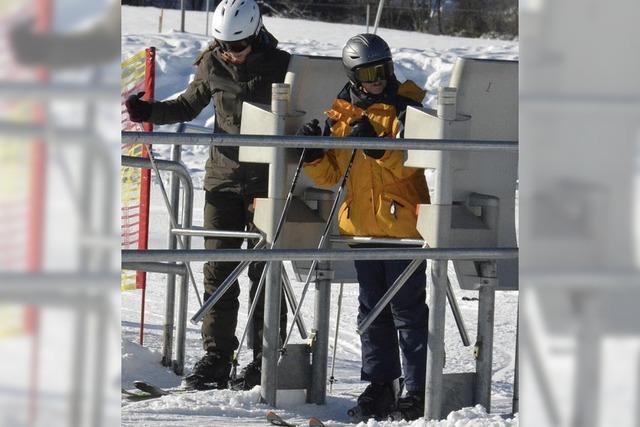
(362, 127)
(28, 47)
(252, 84)
(311, 154)
(139, 110)
(311, 128)
(375, 154)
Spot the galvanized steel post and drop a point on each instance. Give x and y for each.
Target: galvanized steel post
(170, 296)
(271, 334)
(320, 349)
(484, 345)
(435, 341)
(183, 302)
(182, 13)
(271, 329)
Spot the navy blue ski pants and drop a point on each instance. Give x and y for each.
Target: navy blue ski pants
(402, 323)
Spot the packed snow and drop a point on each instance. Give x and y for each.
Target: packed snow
(424, 58)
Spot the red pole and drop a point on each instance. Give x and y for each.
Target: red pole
(43, 14)
(32, 320)
(145, 183)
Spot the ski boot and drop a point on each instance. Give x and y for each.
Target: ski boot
(250, 376)
(377, 401)
(212, 371)
(411, 406)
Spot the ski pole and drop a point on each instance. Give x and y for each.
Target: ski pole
(226, 284)
(210, 302)
(457, 315)
(263, 276)
(252, 309)
(172, 219)
(291, 299)
(391, 292)
(323, 237)
(335, 340)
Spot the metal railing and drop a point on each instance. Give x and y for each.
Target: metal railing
(324, 142)
(227, 255)
(178, 170)
(440, 256)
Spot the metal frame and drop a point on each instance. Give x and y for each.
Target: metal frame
(440, 256)
(324, 142)
(235, 255)
(179, 171)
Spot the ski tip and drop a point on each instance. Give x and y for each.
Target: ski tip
(276, 420)
(149, 388)
(315, 422)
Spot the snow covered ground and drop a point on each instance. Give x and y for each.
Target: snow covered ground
(428, 61)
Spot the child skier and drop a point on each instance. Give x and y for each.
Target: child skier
(381, 199)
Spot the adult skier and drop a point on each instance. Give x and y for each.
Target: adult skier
(240, 65)
(381, 199)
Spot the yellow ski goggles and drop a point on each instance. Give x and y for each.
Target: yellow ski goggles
(374, 73)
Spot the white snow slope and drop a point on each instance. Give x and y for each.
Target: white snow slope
(428, 61)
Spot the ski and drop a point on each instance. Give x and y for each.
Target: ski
(151, 389)
(315, 422)
(136, 396)
(148, 391)
(277, 420)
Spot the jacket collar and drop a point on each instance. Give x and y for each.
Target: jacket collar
(360, 98)
(263, 45)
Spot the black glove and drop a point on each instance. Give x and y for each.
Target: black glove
(253, 83)
(311, 128)
(29, 47)
(139, 110)
(362, 127)
(375, 154)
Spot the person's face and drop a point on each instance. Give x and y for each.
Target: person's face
(374, 88)
(235, 52)
(374, 78)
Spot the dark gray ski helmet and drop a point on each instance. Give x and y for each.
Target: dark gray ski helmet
(364, 49)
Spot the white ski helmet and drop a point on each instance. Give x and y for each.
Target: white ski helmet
(236, 20)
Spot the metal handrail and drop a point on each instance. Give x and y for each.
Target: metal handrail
(181, 171)
(324, 142)
(357, 240)
(204, 232)
(60, 91)
(156, 267)
(227, 255)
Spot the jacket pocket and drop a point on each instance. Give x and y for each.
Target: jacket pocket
(345, 217)
(396, 215)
